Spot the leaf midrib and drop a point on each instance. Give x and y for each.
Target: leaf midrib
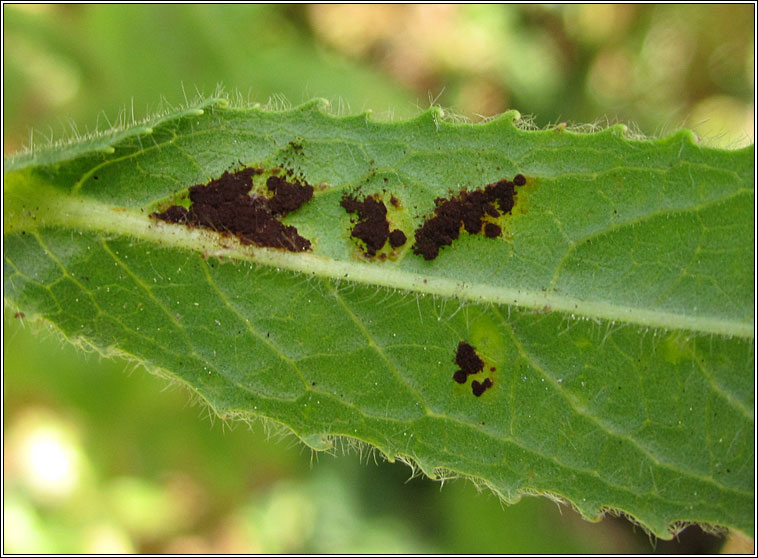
(52, 207)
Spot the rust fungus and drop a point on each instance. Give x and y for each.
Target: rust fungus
(224, 205)
(478, 388)
(467, 209)
(372, 226)
(470, 363)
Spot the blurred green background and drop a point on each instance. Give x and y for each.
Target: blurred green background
(100, 457)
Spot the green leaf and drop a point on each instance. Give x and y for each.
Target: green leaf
(616, 308)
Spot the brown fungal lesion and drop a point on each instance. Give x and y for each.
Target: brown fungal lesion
(372, 226)
(471, 363)
(478, 388)
(225, 205)
(467, 209)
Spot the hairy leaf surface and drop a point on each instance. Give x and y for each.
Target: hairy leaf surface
(614, 314)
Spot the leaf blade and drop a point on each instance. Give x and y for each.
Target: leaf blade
(244, 347)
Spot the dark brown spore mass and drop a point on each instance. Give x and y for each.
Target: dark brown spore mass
(224, 205)
(460, 376)
(372, 227)
(397, 238)
(491, 230)
(287, 196)
(467, 209)
(468, 360)
(480, 387)
(519, 180)
(174, 214)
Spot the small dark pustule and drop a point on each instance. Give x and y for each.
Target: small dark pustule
(467, 359)
(519, 180)
(491, 230)
(460, 376)
(397, 238)
(224, 205)
(478, 388)
(469, 362)
(372, 226)
(20, 315)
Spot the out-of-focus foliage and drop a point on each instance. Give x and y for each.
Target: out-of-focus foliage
(138, 469)
(661, 66)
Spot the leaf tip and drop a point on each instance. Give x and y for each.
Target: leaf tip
(620, 130)
(318, 442)
(512, 115)
(507, 118)
(437, 112)
(685, 134)
(433, 114)
(319, 104)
